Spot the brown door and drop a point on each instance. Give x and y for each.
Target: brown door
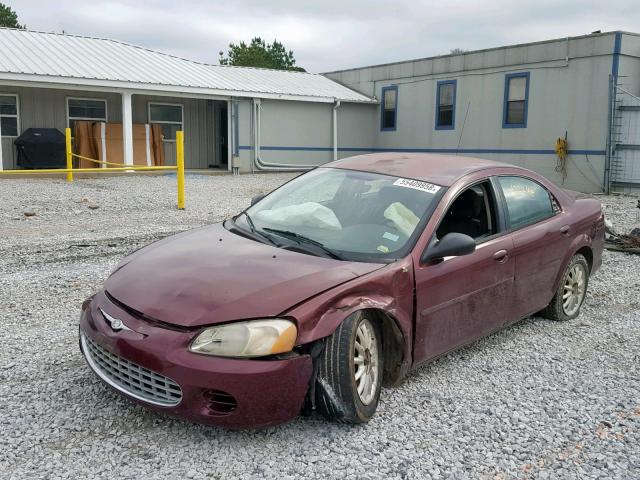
(541, 236)
(463, 298)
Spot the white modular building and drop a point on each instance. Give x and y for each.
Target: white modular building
(513, 103)
(510, 104)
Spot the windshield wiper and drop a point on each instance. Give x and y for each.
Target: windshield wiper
(254, 230)
(302, 239)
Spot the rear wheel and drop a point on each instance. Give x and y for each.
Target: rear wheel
(350, 371)
(568, 299)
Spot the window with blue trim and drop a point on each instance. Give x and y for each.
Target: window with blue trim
(516, 100)
(389, 108)
(446, 105)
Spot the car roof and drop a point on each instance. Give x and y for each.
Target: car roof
(435, 168)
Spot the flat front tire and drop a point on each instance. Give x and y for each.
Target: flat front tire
(570, 295)
(350, 371)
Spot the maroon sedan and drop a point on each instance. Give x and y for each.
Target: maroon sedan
(339, 281)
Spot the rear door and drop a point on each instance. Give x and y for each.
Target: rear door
(463, 298)
(541, 236)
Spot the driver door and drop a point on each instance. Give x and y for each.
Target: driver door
(464, 298)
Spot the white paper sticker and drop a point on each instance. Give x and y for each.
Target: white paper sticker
(417, 185)
(390, 236)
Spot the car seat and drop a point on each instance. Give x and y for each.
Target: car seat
(465, 216)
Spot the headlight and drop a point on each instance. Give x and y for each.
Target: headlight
(255, 338)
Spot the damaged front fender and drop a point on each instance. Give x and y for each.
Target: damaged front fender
(388, 291)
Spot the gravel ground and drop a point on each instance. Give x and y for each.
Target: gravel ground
(538, 400)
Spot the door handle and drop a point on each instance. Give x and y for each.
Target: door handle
(500, 256)
(564, 230)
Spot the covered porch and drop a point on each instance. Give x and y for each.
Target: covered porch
(204, 120)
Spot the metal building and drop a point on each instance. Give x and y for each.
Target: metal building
(512, 104)
(50, 80)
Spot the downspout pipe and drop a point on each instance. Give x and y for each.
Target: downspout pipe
(260, 164)
(335, 130)
(254, 124)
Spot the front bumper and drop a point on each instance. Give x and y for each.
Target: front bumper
(234, 393)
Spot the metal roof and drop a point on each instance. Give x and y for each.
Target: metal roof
(41, 57)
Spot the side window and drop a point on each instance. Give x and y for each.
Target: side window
(389, 108)
(527, 201)
(472, 213)
(446, 105)
(170, 118)
(516, 100)
(554, 204)
(86, 110)
(9, 115)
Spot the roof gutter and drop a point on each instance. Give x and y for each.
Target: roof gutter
(70, 83)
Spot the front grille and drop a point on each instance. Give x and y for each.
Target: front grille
(129, 378)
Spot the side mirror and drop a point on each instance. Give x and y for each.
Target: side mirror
(257, 198)
(451, 245)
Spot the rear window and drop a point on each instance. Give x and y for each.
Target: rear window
(527, 201)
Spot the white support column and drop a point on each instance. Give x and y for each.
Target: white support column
(147, 134)
(127, 128)
(335, 129)
(103, 143)
(231, 144)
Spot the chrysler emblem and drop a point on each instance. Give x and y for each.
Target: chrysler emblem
(115, 323)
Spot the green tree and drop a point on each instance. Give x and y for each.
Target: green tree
(260, 54)
(8, 18)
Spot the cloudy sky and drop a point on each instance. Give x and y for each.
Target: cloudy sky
(329, 34)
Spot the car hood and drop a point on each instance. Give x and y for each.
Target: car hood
(210, 275)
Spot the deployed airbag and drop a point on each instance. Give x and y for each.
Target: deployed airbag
(308, 214)
(403, 218)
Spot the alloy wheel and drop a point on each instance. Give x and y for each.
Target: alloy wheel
(574, 289)
(366, 362)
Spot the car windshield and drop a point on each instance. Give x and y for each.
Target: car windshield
(352, 215)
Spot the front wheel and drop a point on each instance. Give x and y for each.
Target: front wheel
(350, 371)
(568, 299)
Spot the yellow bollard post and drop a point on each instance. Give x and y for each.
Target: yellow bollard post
(67, 134)
(180, 164)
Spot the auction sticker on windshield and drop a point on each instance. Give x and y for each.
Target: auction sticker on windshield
(417, 185)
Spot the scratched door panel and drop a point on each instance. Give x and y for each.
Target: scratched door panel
(463, 298)
(538, 250)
